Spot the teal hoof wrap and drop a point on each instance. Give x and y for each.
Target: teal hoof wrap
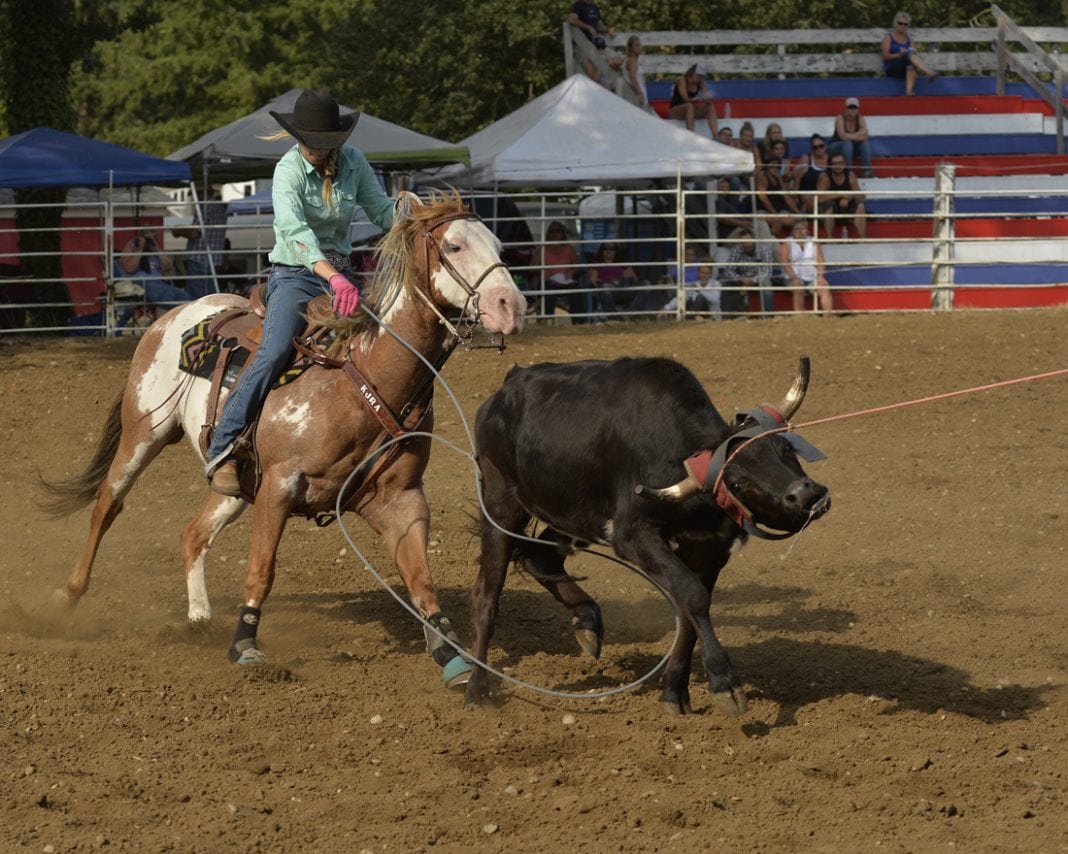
(456, 673)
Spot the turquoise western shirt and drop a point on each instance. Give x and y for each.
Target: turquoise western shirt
(304, 225)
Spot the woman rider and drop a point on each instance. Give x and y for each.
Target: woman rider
(317, 185)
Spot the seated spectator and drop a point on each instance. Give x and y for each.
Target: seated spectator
(776, 205)
(142, 263)
(746, 143)
(692, 100)
(726, 135)
(803, 264)
(205, 246)
(900, 58)
(615, 281)
(732, 212)
(772, 133)
(588, 31)
(840, 200)
(560, 269)
(748, 267)
(807, 173)
(702, 294)
(851, 137)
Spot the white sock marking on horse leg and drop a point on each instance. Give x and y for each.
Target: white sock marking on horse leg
(195, 579)
(197, 591)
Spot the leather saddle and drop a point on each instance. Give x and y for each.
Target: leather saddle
(237, 331)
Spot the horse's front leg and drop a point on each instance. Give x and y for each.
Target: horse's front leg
(402, 518)
(269, 516)
(216, 513)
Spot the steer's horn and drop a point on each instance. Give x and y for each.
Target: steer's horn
(792, 402)
(674, 494)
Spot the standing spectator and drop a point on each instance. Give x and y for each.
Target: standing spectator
(840, 198)
(748, 268)
(203, 241)
(808, 171)
(900, 58)
(633, 81)
(692, 100)
(802, 262)
(588, 31)
(851, 137)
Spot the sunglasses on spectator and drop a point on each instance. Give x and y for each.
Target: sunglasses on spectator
(902, 23)
(819, 147)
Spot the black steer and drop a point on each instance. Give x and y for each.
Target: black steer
(580, 447)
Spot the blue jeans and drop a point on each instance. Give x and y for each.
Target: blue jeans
(199, 284)
(162, 291)
(289, 289)
(850, 149)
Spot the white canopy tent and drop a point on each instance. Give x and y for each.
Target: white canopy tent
(579, 133)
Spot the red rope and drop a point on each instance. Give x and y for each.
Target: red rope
(933, 397)
(889, 407)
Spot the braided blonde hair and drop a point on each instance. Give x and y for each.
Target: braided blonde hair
(329, 170)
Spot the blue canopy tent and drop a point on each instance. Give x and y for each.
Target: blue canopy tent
(44, 157)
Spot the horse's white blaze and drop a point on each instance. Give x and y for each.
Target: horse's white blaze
(501, 305)
(294, 416)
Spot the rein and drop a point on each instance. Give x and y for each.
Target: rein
(467, 322)
(394, 424)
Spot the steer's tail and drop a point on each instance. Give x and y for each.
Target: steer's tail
(65, 496)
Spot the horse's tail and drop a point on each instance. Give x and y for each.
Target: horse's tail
(65, 496)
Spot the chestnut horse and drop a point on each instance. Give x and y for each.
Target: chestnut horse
(315, 431)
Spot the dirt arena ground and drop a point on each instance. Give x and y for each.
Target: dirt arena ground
(905, 657)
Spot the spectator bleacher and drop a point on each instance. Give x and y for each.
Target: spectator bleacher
(970, 190)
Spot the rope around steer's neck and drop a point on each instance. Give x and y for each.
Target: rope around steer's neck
(428, 627)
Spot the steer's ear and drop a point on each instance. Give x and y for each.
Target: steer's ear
(804, 449)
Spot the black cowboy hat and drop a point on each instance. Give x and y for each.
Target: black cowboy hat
(317, 121)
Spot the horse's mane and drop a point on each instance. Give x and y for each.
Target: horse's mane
(396, 266)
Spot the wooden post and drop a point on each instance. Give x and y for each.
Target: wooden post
(569, 51)
(942, 270)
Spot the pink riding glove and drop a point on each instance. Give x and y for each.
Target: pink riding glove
(346, 295)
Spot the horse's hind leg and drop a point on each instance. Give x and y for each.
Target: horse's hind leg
(216, 513)
(138, 445)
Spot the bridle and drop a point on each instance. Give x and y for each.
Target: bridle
(469, 313)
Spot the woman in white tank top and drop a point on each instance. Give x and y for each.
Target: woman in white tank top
(802, 262)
